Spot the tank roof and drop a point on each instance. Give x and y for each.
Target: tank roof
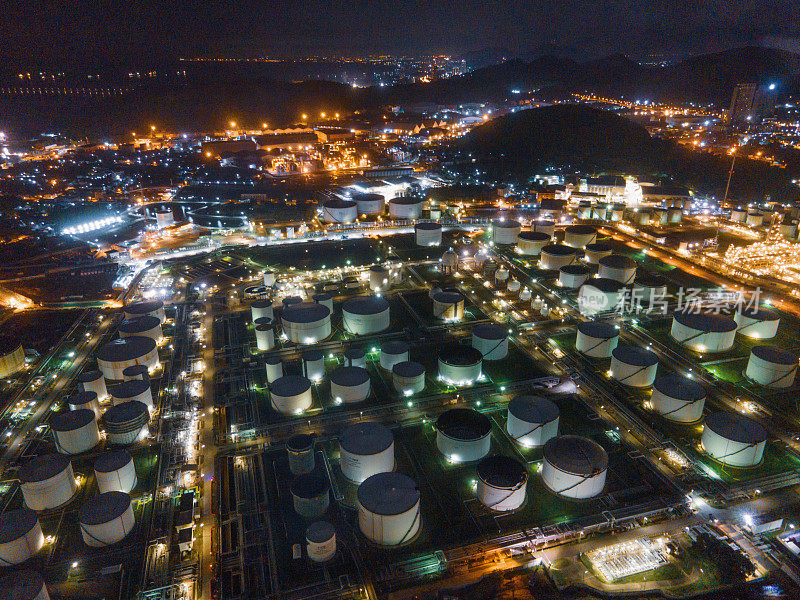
(366, 438)
(71, 420)
(89, 376)
(339, 203)
(502, 472)
(273, 359)
(308, 485)
(143, 307)
(604, 284)
(618, 261)
(292, 301)
(680, 388)
(83, 398)
(533, 236)
(395, 347)
(261, 303)
(129, 348)
(598, 329)
(448, 297)
(576, 455)
(460, 355)
(533, 409)
(758, 313)
(349, 376)
(580, 229)
(408, 368)
(378, 269)
(300, 442)
(139, 324)
(463, 424)
(365, 305)
(104, 508)
(321, 296)
(705, 321)
(490, 331)
(649, 280)
(575, 270)
(558, 250)
(388, 493)
(428, 226)
(125, 411)
(598, 247)
(135, 370)
(405, 200)
(775, 355)
(21, 585)
(508, 223)
(320, 532)
(634, 355)
(16, 523)
(43, 467)
(354, 352)
(305, 312)
(289, 385)
(736, 427)
(112, 460)
(312, 354)
(130, 388)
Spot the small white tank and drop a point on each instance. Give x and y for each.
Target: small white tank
(349, 385)
(634, 366)
(502, 483)
(310, 495)
(313, 364)
(269, 278)
(47, 481)
(596, 339)
(573, 276)
(126, 423)
(389, 509)
(463, 435)
(106, 519)
(93, 381)
(86, 400)
(530, 243)
(320, 541)
(23, 585)
(574, 467)
(115, 472)
(532, 420)
(772, 367)
(300, 448)
(136, 372)
(408, 377)
(617, 267)
(290, 394)
(133, 390)
(265, 337)
(274, 367)
(491, 340)
(379, 278)
(366, 448)
(366, 314)
(734, 439)
(75, 431)
(428, 234)
(355, 357)
(324, 298)
(306, 322)
(20, 536)
(678, 398)
(757, 323)
(504, 232)
(393, 352)
(595, 251)
(262, 309)
(579, 236)
(449, 306)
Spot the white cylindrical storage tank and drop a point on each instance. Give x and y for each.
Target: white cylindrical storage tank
(574, 467)
(502, 483)
(573, 276)
(505, 232)
(23, 585)
(408, 377)
(339, 211)
(555, 256)
(313, 364)
(585, 209)
(658, 216)
(449, 305)
(678, 398)
(145, 326)
(599, 295)
(289, 301)
(274, 367)
(290, 394)
(634, 366)
(617, 212)
(133, 389)
(501, 277)
(86, 400)
(93, 381)
(300, 448)
(75, 431)
(311, 495)
(755, 219)
(265, 337)
(530, 243)
(757, 323)
(366, 448)
(366, 314)
(388, 509)
(321, 540)
(306, 323)
(703, 332)
(325, 299)
(532, 420)
(525, 294)
(734, 439)
(115, 472)
(596, 339)
(106, 519)
(772, 367)
(674, 214)
(579, 236)
(789, 230)
(47, 481)
(136, 372)
(379, 278)
(269, 278)
(369, 204)
(459, 364)
(449, 262)
(262, 309)
(153, 308)
(349, 384)
(392, 353)
(491, 340)
(463, 435)
(649, 289)
(428, 234)
(20, 536)
(405, 207)
(125, 352)
(126, 423)
(738, 215)
(164, 219)
(513, 286)
(355, 357)
(617, 267)
(592, 253)
(544, 226)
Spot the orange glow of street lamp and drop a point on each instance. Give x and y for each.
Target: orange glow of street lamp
(233, 124)
(322, 114)
(152, 127)
(304, 116)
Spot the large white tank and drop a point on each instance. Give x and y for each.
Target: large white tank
(355, 357)
(573, 276)
(313, 364)
(20, 536)
(555, 256)
(504, 232)
(23, 585)
(106, 519)
(634, 366)
(366, 314)
(502, 483)
(146, 326)
(153, 308)
(596, 339)
(574, 467)
(265, 337)
(703, 332)
(405, 207)
(599, 295)
(349, 384)
(789, 231)
(321, 540)
(289, 301)
(459, 364)
(86, 400)
(124, 352)
(47, 481)
(366, 448)
(738, 215)
(115, 471)
(393, 352)
(325, 299)
(126, 423)
(93, 381)
(579, 236)
(306, 323)
(274, 368)
(300, 449)
(136, 372)
(408, 377)
(617, 267)
(760, 323)
(649, 289)
(428, 234)
(75, 431)
(164, 218)
(592, 253)
(262, 309)
(379, 278)
(339, 211)
(678, 398)
(532, 420)
(369, 204)
(290, 394)
(734, 439)
(463, 435)
(269, 278)
(755, 219)
(311, 495)
(448, 305)
(449, 262)
(388, 509)
(530, 243)
(544, 226)
(133, 389)
(491, 340)
(772, 367)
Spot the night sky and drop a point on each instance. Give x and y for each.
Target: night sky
(69, 34)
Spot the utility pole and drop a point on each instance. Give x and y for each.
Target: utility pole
(730, 176)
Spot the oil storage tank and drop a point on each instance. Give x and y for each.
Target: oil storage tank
(313, 364)
(133, 389)
(106, 519)
(136, 372)
(366, 314)
(574, 467)
(125, 352)
(300, 448)
(369, 204)
(555, 256)
(491, 340)
(579, 236)
(649, 289)
(408, 377)
(290, 394)
(93, 381)
(593, 252)
(145, 326)
(366, 448)
(324, 298)
(599, 295)
(459, 364)
(355, 357)
(772, 367)
(75, 431)
(502, 483)
(265, 336)
(393, 352)
(596, 339)
(262, 309)
(428, 233)
(380, 279)
(757, 323)
(634, 366)
(310, 495)
(126, 423)
(320, 541)
(703, 332)
(532, 420)
(47, 481)
(349, 384)
(463, 435)
(152, 308)
(306, 322)
(339, 210)
(617, 267)
(86, 400)
(573, 276)
(734, 439)
(547, 226)
(115, 472)
(678, 398)
(274, 368)
(405, 207)
(389, 509)
(23, 585)
(20, 536)
(448, 305)
(530, 243)
(504, 232)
